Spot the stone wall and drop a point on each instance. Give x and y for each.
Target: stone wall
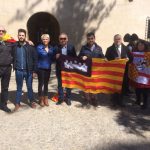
(77, 17)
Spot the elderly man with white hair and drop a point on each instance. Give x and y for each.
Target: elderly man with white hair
(5, 69)
(119, 51)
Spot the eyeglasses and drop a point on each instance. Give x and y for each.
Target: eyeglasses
(62, 38)
(2, 31)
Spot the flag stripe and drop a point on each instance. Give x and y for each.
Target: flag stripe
(107, 72)
(108, 68)
(107, 65)
(91, 84)
(106, 91)
(75, 84)
(117, 61)
(84, 78)
(77, 77)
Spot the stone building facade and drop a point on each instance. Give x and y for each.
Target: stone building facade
(76, 18)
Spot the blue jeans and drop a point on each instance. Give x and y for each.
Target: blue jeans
(61, 90)
(20, 76)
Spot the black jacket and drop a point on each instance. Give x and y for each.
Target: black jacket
(31, 57)
(5, 54)
(96, 53)
(70, 52)
(112, 54)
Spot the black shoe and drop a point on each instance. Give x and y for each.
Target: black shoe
(94, 102)
(86, 104)
(59, 102)
(68, 102)
(5, 108)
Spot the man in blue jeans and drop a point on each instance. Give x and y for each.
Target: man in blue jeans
(24, 64)
(63, 49)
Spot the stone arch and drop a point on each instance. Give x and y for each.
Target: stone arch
(40, 23)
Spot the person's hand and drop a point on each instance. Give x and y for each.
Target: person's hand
(57, 56)
(84, 57)
(34, 75)
(30, 43)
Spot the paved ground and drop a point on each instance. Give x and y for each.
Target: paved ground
(75, 127)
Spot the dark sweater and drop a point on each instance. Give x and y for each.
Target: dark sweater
(5, 54)
(96, 53)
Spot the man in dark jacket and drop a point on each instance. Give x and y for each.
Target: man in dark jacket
(91, 50)
(5, 69)
(63, 49)
(118, 51)
(24, 64)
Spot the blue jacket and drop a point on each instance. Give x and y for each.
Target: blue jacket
(96, 53)
(45, 58)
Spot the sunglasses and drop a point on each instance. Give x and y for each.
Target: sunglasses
(62, 38)
(2, 31)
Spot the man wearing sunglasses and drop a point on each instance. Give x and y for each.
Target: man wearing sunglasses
(5, 69)
(63, 49)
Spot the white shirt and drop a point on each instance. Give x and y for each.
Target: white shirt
(119, 48)
(64, 50)
(93, 47)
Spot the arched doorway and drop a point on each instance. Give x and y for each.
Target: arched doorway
(40, 23)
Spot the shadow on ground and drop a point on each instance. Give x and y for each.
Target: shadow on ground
(124, 146)
(133, 118)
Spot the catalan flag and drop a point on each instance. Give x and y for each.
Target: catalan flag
(106, 77)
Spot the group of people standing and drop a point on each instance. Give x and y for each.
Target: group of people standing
(29, 62)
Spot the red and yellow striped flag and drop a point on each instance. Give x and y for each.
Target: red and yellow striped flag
(107, 77)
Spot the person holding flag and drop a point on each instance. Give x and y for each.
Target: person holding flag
(91, 50)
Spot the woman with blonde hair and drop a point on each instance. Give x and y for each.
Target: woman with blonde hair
(45, 55)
